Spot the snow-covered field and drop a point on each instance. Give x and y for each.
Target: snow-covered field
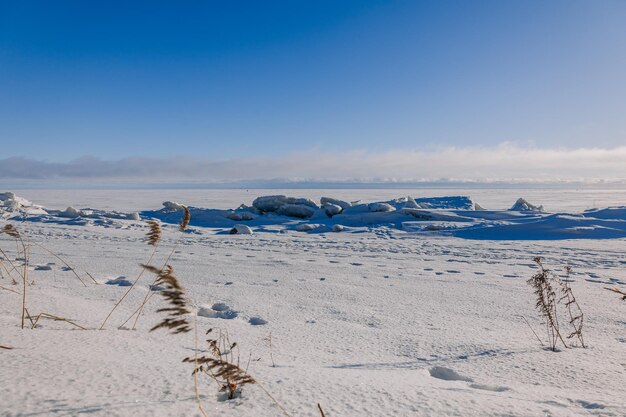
(395, 307)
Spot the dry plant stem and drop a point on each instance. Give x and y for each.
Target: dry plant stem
(271, 355)
(8, 289)
(319, 407)
(546, 302)
(13, 267)
(195, 359)
(65, 263)
(25, 277)
(129, 289)
(618, 291)
(273, 399)
(574, 311)
(5, 347)
(149, 294)
(11, 231)
(55, 318)
(182, 227)
(532, 330)
(9, 273)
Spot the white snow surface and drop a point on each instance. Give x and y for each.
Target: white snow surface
(419, 311)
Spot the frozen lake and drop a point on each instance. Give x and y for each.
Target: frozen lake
(569, 200)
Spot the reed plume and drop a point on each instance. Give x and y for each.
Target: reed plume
(174, 294)
(185, 221)
(154, 235)
(182, 226)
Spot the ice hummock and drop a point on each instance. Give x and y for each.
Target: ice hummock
(457, 216)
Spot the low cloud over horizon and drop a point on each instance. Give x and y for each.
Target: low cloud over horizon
(503, 163)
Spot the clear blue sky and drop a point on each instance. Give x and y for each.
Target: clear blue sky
(227, 79)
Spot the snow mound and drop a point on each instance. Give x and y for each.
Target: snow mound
(71, 213)
(296, 210)
(523, 205)
(329, 200)
(241, 216)
(286, 206)
(12, 205)
(380, 207)
(241, 229)
(306, 227)
(172, 206)
(411, 204)
(332, 209)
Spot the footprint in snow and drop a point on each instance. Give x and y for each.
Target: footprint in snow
(257, 321)
(447, 374)
(47, 267)
(218, 311)
(120, 281)
(489, 387)
(589, 405)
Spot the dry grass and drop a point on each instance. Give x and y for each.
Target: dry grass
(221, 365)
(221, 362)
(574, 311)
(545, 284)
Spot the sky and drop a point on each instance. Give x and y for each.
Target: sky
(401, 90)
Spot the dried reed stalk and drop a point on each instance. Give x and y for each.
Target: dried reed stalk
(6, 347)
(10, 230)
(573, 309)
(153, 238)
(182, 227)
(546, 304)
(618, 291)
(319, 407)
(65, 263)
(52, 317)
(8, 289)
(13, 266)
